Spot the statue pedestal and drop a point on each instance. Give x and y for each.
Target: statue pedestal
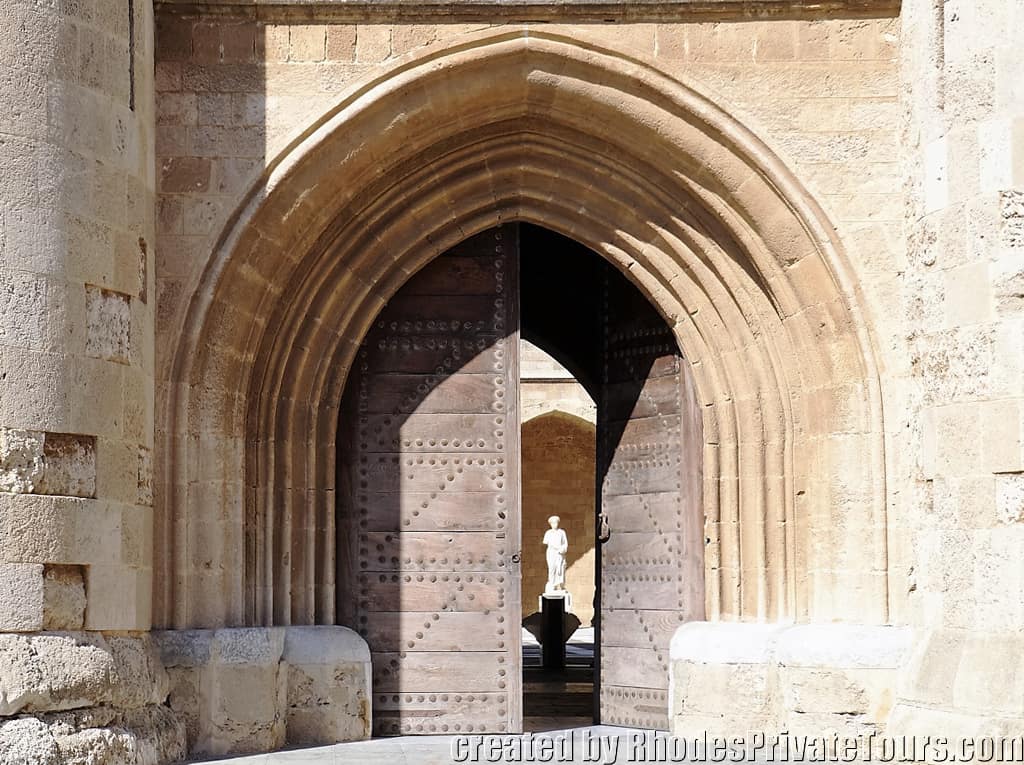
(553, 607)
(564, 594)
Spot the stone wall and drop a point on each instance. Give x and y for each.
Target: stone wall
(70, 697)
(558, 479)
(962, 460)
(76, 315)
(77, 233)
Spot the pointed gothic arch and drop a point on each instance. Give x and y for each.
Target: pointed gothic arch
(535, 126)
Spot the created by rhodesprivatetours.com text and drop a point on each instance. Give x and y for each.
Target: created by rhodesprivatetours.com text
(603, 748)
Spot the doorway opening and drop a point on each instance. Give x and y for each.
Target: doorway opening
(436, 563)
(559, 449)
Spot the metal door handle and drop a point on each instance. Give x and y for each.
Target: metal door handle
(516, 557)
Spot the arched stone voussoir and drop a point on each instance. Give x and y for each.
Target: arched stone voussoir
(536, 125)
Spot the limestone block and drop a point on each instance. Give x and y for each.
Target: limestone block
(33, 462)
(242, 690)
(813, 678)
(120, 597)
(844, 646)
(27, 741)
(329, 676)
(306, 42)
(21, 460)
(22, 598)
(108, 324)
(341, 42)
(229, 686)
(968, 292)
(866, 694)
(373, 42)
(1010, 498)
(63, 597)
(96, 736)
(69, 465)
(70, 670)
(1011, 207)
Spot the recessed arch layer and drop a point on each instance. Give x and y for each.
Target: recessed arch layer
(541, 127)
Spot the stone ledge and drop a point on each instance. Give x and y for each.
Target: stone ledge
(526, 10)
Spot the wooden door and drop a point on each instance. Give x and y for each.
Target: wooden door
(649, 451)
(429, 527)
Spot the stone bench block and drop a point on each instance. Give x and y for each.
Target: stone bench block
(257, 689)
(801, 678)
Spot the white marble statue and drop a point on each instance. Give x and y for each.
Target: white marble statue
(557, 543)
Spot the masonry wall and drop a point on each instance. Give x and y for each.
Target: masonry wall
(77, 234)
(961, 464)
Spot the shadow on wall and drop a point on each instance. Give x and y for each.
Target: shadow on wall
(558, 466)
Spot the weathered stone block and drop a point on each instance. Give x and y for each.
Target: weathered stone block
(21, 460)
(64, 597)
(60, 671)
(69, 465)
(329, 677)
(108, 327)
(1010, 497)
(813, 678)
(22, 597)
(254, 689)
(184, 174)
(120, 597)
(95, 736)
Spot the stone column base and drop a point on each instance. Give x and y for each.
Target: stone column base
(249, 690)
(730, 679)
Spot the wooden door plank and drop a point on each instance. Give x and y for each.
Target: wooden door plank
(433, 433)
(634, 707)
(436, 354)
(434, 551)
(440, 713)
(640, 628)
(481, 591)
(435, 511)
(444, 671)
(438, 631)
(638, 667)
(386, 473)
(432, 394)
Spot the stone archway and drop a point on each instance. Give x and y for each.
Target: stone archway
(533, 126)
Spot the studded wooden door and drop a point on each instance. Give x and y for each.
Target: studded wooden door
(429, 496)
(649, 451)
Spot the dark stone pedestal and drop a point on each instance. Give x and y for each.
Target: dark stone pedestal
(553, 632)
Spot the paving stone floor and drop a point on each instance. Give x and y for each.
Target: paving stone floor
(445, 750)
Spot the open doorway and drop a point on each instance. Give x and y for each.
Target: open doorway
(647, 515)
(559, 450)
(430, 532)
